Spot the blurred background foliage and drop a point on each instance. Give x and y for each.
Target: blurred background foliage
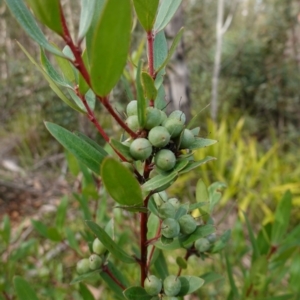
(257, 127)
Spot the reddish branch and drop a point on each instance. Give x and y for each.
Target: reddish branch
(111, 275)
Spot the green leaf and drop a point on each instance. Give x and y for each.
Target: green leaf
(282, 297)
(221, 242)
(181, 262)
(86, 17)
(53, 234)
(165, 13)
(110, 46)
(233, 287)
(67, 69)
(161, 265)
(23, 289)
(146, 12)
(282, 218)
(85, 292)
(82, 150)
(40, 227)
(255, 249)
(121, 148)
(211, 277)
(189, 284)
(195, 164)
(85, 276)
(172, 49)
(152, 225)
(61, 213)
(83, 201)
(27, 21)
(202, 197)
(71, 238)
(160, 101)
(141, 101)
(82, 84)
(295, 274)
(160, 50)
(49, 13)
(23, 250)
(110, 245)
(160, 182)
(6, 229)
(120, 183)
(91, 142)
(136, 293)
(149, 87)
(201, 231)
(201, 143)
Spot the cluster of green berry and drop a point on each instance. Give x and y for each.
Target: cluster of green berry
(164, 136)
(95, 261)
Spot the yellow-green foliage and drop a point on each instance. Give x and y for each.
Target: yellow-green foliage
(256, 177)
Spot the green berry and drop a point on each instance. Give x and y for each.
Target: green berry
(179, 115)
(172, 285)
(187, 139)
(212, 238)
(174, 126)
(166, 210)
(160, 198)
(202, 245)
(131, 108)
(98, 247)
(163, 117)
(140, 149)
(83, 266)
(159, 136)
(95, 261)
(175, 202)
(165, 160)
(187, 224)
(153, 117)
(170, 228)
(152, 285)
(133, 123)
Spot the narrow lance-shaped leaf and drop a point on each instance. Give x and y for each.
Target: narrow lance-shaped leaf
(189, 284)
(120, 183)
(6, 229)
(28, 23)
(149, 87)
(146, 12)
(23, 289)
(110, 245)
(201, 143)
(86, 17)
(165, 13)
(141, 101)
(49, 13)
(160, 49)
(83, 151)
(136, 293)
(110, 45)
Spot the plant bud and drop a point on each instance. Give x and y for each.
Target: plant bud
(170, 228)
(187, 224)
(153, 117)
(166, 210)
(187, 139)
(172, 285)
(165, 160)
(95, 261)
(131, 108)
(202, 245)
(152, 285)
(159, 136)
(83, 266)
(98, 247)
(140, 149)
(133, 123)
(179, 115)
(174, 126)
(175, 202)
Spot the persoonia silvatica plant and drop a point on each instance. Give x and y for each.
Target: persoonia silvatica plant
(155, 149)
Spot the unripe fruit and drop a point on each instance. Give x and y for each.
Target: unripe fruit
(98, 247)
(172, 285)
(83, 266)
(212, 238)
(153, 117)
(163, 116)
(159, 136)
(170, 228)
(187, 139)
(95, 261)
(165, 160)
(174, 127)
(187, 224)
(140, 149)
(202, 245)
(160, 198)
(131, 108)
(170, 298)
(166, 210)
(152, 285)
(175, 202)
(179, 115)
(133, 123)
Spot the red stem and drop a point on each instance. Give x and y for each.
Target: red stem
(150, 43)
(111, 275)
